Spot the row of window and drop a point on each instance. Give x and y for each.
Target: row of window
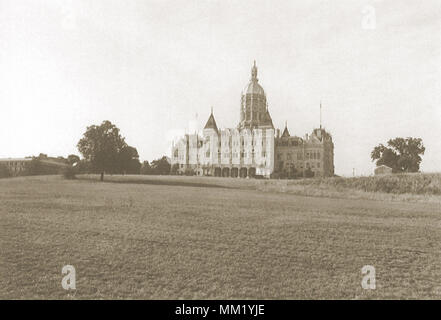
(14, 164)
(312, 165)
(236, 143)
(225, 154)
(255, 115)
(288, 143)
(236, 154)
(308, 155)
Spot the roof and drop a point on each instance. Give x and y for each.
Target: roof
(253, 87)
(267, 120)
(383, 166)
(14, 159)
(285, 132)
(211, 123)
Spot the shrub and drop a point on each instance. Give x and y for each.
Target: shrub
(69, 172)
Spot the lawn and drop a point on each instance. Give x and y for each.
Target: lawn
(168, 238)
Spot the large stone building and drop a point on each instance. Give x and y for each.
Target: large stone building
(15, 166)
(254, 147)
(41, 165)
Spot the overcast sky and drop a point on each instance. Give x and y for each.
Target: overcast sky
(152, 67)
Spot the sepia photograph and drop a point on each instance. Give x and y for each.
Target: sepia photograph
(220, 154)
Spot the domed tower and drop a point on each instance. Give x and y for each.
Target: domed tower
(254, 107)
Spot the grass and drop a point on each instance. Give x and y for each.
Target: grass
(402, 187)
(206, 238)
(410, 183)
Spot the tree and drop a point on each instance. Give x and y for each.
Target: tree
(101, 146)
(174, 169)
(146, 168)
(400, 154)
(161, 166)
(84, 167)
(128, 160)
(72, 159)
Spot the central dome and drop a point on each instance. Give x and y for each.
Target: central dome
(253, 87)
(253, 106)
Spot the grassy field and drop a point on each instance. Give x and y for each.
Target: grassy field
(204, 238)
(416, 187)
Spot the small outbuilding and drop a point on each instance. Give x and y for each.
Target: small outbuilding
(381, 170)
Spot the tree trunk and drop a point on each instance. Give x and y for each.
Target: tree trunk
(102, 176)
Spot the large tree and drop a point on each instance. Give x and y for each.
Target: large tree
(129, 160)
(146, 168)
(101, 146)
(401, 154)
(161, 166)
(72, 159)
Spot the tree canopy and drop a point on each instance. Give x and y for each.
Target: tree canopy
(128, 160)
(400, 154)
(160, 166)
(106, 150)
(72, 159)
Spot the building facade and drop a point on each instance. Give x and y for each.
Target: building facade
(254, 147)
(16, 166)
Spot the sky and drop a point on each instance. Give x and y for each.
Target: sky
(155, 69)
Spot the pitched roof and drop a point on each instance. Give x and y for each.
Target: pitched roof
(285, 132)
(211, 123)
(267, 120)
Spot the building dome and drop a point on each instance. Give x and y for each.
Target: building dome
(253, 88)
(253, 106)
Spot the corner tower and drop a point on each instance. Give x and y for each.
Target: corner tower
(253, 106)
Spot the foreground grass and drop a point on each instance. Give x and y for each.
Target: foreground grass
(177, 240)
